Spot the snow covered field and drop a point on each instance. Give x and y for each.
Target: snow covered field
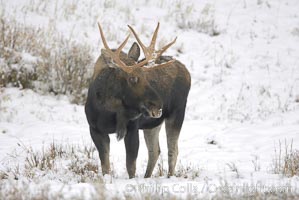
(243, 109)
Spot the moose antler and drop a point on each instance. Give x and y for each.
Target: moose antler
(114, 54)
(151, 55)
(149, 52)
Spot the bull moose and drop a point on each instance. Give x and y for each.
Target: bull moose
(127, 94)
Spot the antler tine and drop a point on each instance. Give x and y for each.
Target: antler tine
(138, 40)
(114, 55)
(161, 51)
(149, 52)
(122, 45)
(140, 64)
(154, 38)
(103, 38)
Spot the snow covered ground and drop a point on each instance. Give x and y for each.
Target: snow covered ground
(243, 106)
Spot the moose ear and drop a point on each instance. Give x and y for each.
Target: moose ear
(134, 52)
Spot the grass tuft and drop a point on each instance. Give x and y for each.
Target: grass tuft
(286, 159)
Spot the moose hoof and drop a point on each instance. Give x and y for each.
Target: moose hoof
(131, 176)
(147, 176)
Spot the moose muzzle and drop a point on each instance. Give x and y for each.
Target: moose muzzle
(156, 113)
(152, 110)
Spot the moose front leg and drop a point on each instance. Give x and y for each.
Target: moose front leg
(102, 142)
(132, 146)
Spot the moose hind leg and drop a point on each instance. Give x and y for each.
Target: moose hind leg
(132, 147)
(102, 143)
(151, 137)
(173, 127)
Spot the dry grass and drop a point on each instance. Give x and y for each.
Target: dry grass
(30, 58)
(188, 171)
(161, 168)
(70, 160)
(286, 159)
(256, 196)
(65, 165)
(44, 193)
(14, 39)
(204, 22)
(233, 168)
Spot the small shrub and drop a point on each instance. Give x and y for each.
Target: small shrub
(15, 39)
(30, 58)
(64, 70)
(286, 160)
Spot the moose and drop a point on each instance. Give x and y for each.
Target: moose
(127, 94)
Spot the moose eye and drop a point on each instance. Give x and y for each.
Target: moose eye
(133, 80)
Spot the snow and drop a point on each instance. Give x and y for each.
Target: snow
(243, 100)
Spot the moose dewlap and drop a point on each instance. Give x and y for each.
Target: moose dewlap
(127, 94)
